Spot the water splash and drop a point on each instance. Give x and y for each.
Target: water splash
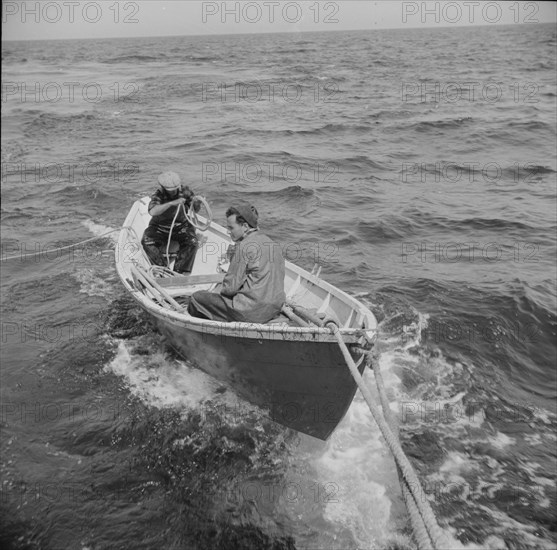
(163, 382)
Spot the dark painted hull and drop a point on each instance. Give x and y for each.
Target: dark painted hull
(306, 386)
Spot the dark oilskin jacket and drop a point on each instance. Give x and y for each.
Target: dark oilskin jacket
(254, 284)
(164, 221)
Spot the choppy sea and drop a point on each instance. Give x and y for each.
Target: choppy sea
(417, 167)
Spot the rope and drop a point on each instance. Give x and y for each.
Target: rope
(190, 216)
(62, 247)
(438, 537)
(170, 234)
(287, 310)
(419, 528)
(161, 271)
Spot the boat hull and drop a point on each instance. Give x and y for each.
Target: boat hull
(305, 386)
(296, 373)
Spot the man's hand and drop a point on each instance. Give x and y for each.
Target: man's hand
(159, 209)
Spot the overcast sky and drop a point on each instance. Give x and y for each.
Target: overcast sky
(34, 20)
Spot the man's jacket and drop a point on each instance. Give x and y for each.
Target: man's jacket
(254, 284)
(164, 221)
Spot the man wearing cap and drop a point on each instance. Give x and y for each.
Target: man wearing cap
(164, 202)
(253, 288)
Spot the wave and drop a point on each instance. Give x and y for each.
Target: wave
(429, 222)
(296, 50)
(474, 172)
(386, 229)
(358, 163)
(510, 324)
(428, 125)
(532, 125)
(397, 227)
(7, 59)
(540, 66)
(29, 213)
(327, 130)
(46, 123)
(486, 223)
(134, 59)
(85, 126)
(292, 193)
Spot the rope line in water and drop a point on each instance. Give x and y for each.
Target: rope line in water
(438, 537)
(427, 533)
(62, 247)
(419, 528)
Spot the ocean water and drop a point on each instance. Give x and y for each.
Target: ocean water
(417, 167)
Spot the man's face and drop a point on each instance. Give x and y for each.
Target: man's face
(235, 230)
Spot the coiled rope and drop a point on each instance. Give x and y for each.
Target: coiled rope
(62, 247)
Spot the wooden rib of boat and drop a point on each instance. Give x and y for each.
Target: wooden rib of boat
(296, 373)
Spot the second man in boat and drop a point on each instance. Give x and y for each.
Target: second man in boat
(253, 288)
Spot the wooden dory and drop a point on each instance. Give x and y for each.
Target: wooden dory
(298, 374)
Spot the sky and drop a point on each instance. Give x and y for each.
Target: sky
(45, 19)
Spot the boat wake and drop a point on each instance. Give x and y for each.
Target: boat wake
(356, 459)
(162, 381)
(458, 441)
(287, 482)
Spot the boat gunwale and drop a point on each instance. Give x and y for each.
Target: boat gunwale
(246, 329)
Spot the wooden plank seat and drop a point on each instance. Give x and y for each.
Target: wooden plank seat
(188, 280)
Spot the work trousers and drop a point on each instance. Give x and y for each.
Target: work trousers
(211, 305)
(155, 239)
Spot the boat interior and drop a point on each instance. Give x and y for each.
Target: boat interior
(302, 288)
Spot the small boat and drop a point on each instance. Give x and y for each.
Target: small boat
(290, 368)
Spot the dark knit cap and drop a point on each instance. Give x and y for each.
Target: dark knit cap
(248, 212)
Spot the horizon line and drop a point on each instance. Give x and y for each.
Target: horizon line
(422, 27)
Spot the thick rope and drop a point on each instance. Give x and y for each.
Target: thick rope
(423, 539)
(419, 529)
(190, 220)
(438, 537)
(287, 310)
(170, 234)
(192, 216)
(62, 247)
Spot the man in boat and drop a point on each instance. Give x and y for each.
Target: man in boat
(171, 196)
(253, 288)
